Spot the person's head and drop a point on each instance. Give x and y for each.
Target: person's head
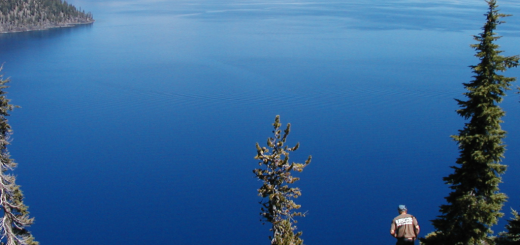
(402, 209)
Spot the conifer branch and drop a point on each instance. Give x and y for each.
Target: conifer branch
(15, 218)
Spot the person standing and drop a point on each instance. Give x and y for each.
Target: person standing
(404, 227)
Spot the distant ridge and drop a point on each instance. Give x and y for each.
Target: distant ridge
(31, 15)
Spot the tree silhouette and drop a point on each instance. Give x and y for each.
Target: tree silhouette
(512, 235)
(474, 202)
(278, 204)
(15, 214)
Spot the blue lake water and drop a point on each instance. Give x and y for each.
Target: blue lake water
(141, 128)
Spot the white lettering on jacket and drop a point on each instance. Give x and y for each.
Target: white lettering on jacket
(404, 221)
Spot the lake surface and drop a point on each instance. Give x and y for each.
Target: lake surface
(141, 128)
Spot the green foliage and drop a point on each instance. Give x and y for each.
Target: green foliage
(22, 15)
(278, 204)
(512, 236)
(475, 202)
(16, 215)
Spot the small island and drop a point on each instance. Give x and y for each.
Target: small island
(32, 15)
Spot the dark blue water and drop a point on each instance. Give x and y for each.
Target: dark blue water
(141, 128)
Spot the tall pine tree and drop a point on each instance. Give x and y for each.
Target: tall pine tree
(278, 204)
(15, 214)
(474, 203)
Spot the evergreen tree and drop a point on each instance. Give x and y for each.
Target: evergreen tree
(15, 214)
(278, 204)
(512, 236)
(474, 202)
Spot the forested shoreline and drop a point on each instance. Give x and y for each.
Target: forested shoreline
(31, 15)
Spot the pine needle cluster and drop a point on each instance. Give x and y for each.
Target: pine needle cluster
(512, 236)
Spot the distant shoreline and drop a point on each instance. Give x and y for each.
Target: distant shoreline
(43, 27)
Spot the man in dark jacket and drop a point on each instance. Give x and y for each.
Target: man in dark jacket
(404, 227)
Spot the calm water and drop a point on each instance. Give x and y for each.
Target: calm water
(140, 128)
